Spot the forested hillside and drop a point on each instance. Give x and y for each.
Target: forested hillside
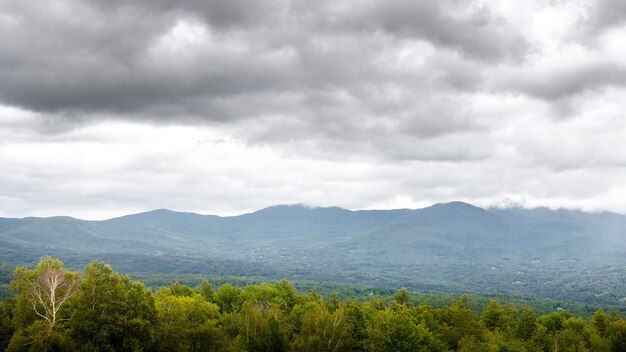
(101, 310)
(445, 247)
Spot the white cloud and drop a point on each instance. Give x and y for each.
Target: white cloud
(229, 107)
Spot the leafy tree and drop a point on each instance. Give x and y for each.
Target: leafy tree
(600, 321)
(256, 333)
(472, 344)
(598, 343)
(205, 289)
(47, 288)
(457, 322)
(39, 316)
(187, 323)
(334, 303)
(396, 331)
(402, 297)
(425, 314)
(324, 331)
(6, 325)
(554, 322)
(616, 333)
(575, 335)
(226, 297)
(355, 316)
(177, 289)
(527, 324)
(288, 295)
(112, 312)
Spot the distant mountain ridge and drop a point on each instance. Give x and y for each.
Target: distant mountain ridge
(446, 245)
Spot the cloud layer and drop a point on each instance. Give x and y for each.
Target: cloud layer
(394, 103)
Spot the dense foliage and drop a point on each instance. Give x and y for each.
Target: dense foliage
(100, 310)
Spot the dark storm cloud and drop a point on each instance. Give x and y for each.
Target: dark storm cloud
(92, 59)
(82, 58)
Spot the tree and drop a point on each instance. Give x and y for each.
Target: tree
(205, 289)
(288, 295)
(324, 331)
(40, 313)
(256, 333)
(617, 335)
(458, 322)
(177, 289)
(334, 303)
(113, 313)
(46, 288)
(527, 324)
(226, 297)
(187, 323)
(575, 335)
(496, 316)
(600, 321)
(6, 325)
(355, 316)
(402, 297)
(396, 331)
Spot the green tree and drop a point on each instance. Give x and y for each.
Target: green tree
(555, 321)
(205, 289)
(112, 312)
(457, 322)
(616, 333)
(355, 316)
(178, 289)
(258, 333)
(187, 323)
(395, 330)
(6, 325)
(575, 335)
(402, 297)
(226, 297)
(47, 288)
(40, 315)
(600, 322)
(526, 324)
(498, 317)
(324, 331)
(288, 295)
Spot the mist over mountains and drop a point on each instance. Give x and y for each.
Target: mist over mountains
(452, 246)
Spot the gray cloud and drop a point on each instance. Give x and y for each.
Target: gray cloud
(563, 88)
(88, 58)
(247, 103)
(471, 30)
(604, 14)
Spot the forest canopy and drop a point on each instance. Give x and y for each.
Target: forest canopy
(99, 309)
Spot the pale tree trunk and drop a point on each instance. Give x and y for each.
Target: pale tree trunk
(51, 290)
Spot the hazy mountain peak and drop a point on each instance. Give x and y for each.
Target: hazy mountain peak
(296, 208)
(455, 205)
(455, 208)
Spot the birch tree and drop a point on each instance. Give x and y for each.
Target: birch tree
(46, 288)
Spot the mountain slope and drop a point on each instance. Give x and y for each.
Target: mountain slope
(446, 245)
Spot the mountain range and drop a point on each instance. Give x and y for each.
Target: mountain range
(451, 246)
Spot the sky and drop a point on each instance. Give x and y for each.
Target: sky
(111, 107)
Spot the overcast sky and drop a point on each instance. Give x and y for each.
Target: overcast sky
(111, 107)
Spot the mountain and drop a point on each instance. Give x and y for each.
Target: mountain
(451, 246)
